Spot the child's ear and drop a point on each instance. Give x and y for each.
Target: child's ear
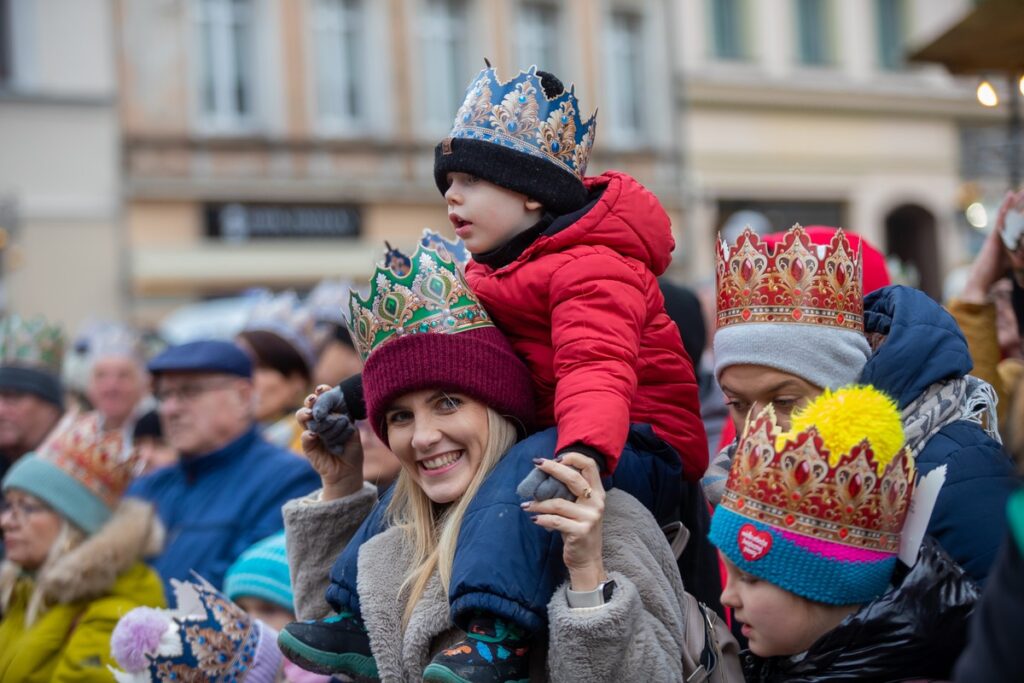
(533, 204)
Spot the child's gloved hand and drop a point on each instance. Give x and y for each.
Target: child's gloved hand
(331, 421)
(538, 485)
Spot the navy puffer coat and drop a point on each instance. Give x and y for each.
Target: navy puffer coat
(922, 346)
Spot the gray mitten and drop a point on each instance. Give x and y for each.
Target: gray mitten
(331, 421)
(539, 485)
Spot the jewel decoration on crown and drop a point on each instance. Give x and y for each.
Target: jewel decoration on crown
(517, 114)
(423, 294)
(792, 481)
(31, 342)
(796, 282)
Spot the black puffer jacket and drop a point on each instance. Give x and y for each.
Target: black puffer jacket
(916, 630)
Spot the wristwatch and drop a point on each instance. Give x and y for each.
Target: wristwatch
(595, 598)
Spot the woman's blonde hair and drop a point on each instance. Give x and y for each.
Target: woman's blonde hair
(432, 529)
(69, 538)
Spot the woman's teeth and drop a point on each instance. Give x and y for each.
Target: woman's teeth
(441, 460)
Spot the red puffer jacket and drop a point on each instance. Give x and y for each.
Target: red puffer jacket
(583, 309)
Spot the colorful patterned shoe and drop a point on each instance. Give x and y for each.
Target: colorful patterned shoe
(336, 645)
(494, 651)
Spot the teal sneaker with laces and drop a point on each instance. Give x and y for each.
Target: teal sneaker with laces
(338, 644)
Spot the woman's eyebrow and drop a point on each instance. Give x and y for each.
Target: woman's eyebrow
(783, 384)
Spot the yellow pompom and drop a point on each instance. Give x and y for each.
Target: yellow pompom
(848, 416)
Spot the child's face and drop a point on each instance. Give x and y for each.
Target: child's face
(274, 616)
(776, 622)
(486, 216)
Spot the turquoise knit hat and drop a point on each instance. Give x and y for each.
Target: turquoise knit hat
(262, 572)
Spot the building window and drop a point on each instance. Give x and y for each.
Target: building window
(339, 28)
(626, 74)
(538, 36)
(813, 32)
(226, 92)
(891, 19)
(443, 36)
(727, 29)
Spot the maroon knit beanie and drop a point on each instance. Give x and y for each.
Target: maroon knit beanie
(479, 363)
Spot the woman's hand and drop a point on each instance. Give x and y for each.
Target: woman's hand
(578, 521)
(994, 259)
(1013, 202)
(341, 475)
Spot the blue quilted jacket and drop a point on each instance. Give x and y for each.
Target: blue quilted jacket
(923, 345)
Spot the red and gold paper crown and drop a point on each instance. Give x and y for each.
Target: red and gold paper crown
(823, 478)
(96, 458)
(796, 282)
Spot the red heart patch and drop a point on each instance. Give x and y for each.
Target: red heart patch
(754, 544)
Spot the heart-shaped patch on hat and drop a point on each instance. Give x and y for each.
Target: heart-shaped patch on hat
(754, 543)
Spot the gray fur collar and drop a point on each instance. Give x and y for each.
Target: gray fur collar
(400, 656)
(88, 570)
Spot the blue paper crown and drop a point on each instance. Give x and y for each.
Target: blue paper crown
(517, 114)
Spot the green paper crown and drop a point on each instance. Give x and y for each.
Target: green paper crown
(31, 342)
(425, 294)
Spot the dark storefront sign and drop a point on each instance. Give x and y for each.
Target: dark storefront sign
(243, 222)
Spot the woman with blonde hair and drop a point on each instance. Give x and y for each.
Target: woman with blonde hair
(74, 554)
(447, 394)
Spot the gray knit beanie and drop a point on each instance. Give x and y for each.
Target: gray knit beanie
(787, 303)
(827, 357)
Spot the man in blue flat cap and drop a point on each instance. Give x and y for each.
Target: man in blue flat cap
(227, 490)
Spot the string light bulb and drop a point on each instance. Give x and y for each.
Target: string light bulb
(987, 94)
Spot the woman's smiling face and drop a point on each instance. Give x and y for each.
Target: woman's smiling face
(439, 437)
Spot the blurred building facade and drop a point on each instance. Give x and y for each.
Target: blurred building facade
(276, 142)
(167, 151)
(61, 244)
(804, 110)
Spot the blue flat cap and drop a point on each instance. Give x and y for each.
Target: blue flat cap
(203, 356)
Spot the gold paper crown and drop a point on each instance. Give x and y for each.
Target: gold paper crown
(518, 114)
(95, 457)
(797, 281)
(839, 475)
(425, 294)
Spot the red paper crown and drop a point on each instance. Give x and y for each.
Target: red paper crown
(95, 457)
(796, 282)
(800, 486)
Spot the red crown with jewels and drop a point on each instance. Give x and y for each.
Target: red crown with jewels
(800, 486)
(796, 282)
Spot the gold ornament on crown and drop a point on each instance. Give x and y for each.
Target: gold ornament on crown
(797, 281)
(424, 294)
(848, 498)
(518, 115)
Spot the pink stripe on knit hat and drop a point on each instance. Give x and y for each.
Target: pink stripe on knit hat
(834, 551)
